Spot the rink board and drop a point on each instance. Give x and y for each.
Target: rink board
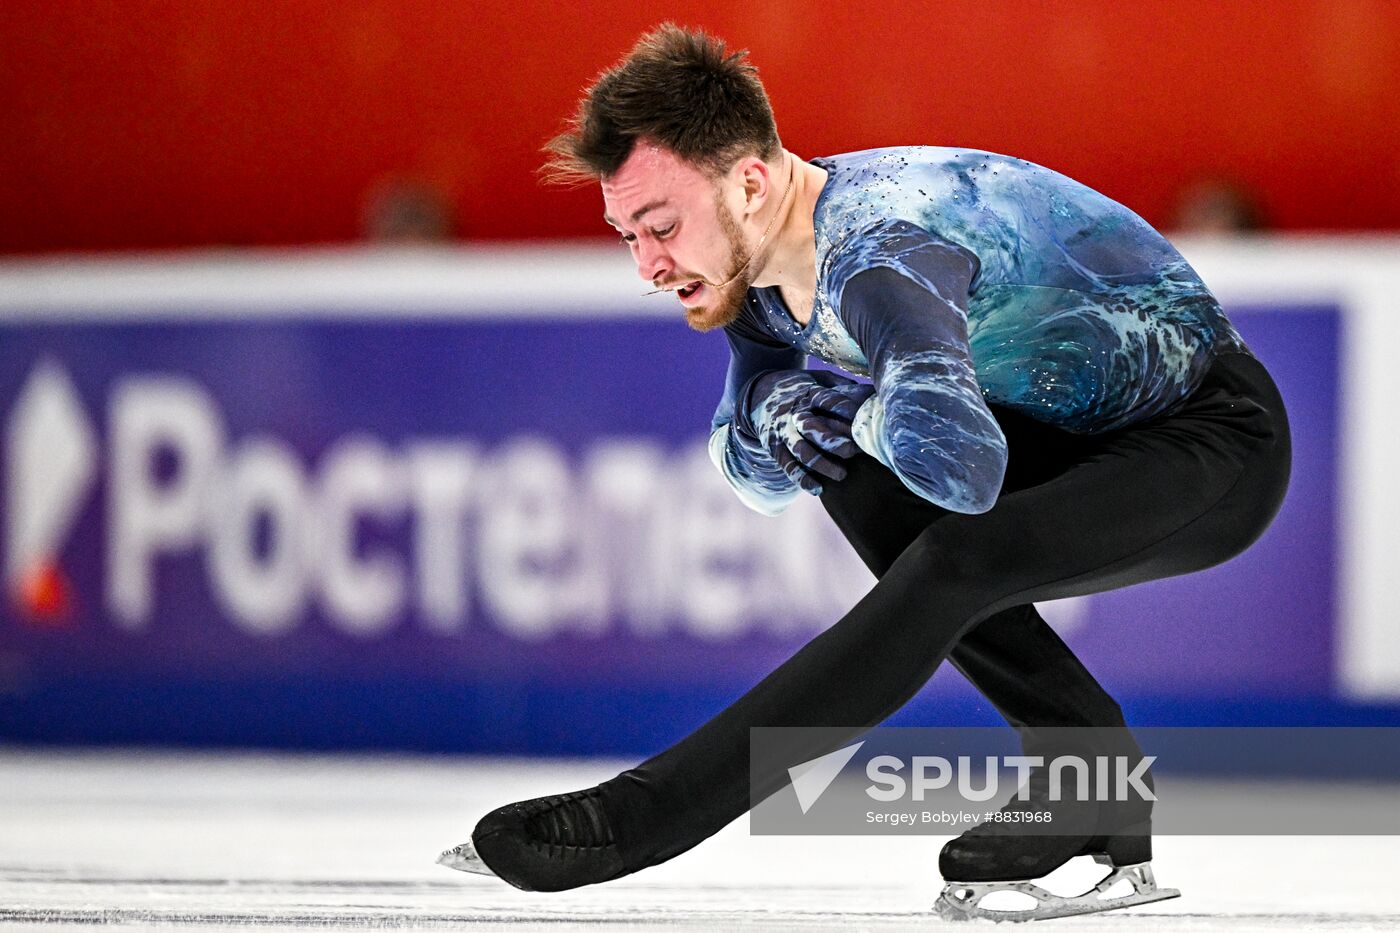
(495, 531)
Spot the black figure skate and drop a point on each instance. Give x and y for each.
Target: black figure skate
(547, 844)
(1009, 852)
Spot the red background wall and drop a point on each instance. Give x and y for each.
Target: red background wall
(151, 123)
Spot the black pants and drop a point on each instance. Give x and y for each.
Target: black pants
(1077, 515)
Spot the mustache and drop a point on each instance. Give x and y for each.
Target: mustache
(677, 284)
(681, 283)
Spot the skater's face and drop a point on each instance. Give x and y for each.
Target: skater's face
(687, 230)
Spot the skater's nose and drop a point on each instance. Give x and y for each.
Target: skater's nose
(653, 262)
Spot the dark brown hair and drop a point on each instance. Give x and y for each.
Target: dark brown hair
(680, 88)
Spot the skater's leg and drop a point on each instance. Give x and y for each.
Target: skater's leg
(1013, 658)
(1170, 497)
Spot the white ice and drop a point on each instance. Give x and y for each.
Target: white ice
(227, 841)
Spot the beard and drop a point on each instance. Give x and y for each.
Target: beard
(728, 299)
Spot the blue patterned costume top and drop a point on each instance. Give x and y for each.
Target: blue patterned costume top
(956, 278)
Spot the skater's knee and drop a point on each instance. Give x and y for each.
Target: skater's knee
(865, 486)
(956, 553)
(864, 475)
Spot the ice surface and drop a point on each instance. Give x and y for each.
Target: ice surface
(227, 841)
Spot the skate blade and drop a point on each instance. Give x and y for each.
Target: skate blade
(465, 858)
(962, 901)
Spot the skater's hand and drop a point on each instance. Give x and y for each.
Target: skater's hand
(800, 420)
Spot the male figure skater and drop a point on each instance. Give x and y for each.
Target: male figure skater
(1059, 407)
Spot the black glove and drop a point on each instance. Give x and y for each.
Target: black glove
(797, 424)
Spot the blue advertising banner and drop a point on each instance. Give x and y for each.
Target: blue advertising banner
(505, 535)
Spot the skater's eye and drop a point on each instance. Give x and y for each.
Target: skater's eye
(661, 234)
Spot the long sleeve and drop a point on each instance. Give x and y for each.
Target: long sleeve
(902, 295)
(753, 475)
